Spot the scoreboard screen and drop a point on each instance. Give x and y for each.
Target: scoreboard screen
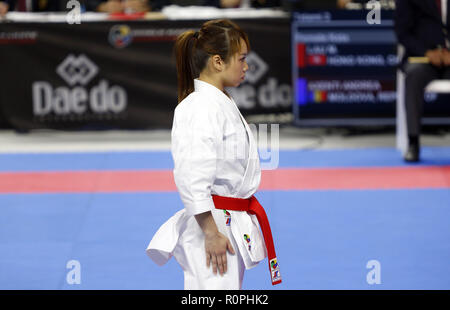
(344, 69)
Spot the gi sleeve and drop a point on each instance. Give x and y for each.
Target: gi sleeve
(196, 137)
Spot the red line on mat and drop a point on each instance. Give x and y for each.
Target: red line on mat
(357, 178)
(280, 179)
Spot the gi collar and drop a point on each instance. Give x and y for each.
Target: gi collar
(202, 86)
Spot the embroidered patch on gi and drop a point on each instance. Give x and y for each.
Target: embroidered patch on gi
(247, 239)
(273, 263)
(227, 217)
(276, 276)
(275, 270)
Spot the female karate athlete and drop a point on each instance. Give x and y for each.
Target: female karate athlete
(217, 235)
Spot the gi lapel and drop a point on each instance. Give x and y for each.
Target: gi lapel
(253, 158)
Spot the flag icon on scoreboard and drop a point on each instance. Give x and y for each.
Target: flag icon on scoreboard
(317, 60)
(320, 96)
(304, 95)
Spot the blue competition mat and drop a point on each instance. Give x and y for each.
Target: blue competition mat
(385, 157)
(324, 239)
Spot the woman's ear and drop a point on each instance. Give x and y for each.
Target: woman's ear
(217, 63)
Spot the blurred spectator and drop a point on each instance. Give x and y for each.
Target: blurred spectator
(310, 4)
(422, 27)
(118, 6)
(32, 5)
(342, 3)
(242, 3)
(5, 6)
(361, 4)
(185, 2)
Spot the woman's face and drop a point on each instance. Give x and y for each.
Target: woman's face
(234, 73)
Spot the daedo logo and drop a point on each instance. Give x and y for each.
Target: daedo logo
(77, 72)
(269, 95)
(256, 68)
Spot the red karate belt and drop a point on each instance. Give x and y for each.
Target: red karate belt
(252, 206)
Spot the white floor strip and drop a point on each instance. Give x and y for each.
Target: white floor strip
(52, 141)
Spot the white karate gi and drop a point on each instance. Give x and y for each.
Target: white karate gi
(214, 153)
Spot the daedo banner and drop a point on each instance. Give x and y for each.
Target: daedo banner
(121, 74)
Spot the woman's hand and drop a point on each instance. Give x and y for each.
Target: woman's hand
(216, 244)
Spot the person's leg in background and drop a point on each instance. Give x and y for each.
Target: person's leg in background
(417, 77)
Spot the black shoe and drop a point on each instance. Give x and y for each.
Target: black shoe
(412, 154)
